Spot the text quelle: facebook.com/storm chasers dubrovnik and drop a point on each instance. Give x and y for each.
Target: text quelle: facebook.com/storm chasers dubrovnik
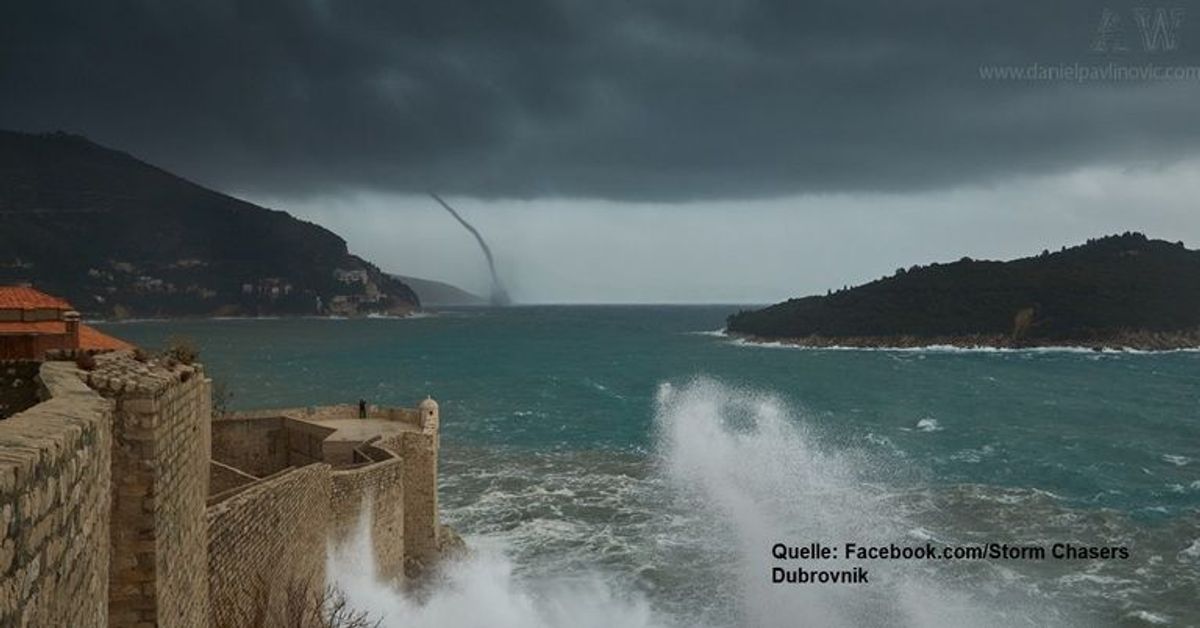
(858, 574)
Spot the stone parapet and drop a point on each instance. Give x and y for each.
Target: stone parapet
(54, 506)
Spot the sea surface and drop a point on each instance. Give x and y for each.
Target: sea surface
(630, 466)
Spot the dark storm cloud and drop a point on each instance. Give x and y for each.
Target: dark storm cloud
(642, 99)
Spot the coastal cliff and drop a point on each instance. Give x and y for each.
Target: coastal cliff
(119, 237)
(1121, 291)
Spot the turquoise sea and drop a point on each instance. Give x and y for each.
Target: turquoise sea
(629, 466)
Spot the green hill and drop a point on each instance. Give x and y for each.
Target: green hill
(1123, 290)
(119, 237)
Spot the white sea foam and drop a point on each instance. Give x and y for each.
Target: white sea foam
(714, 333)
(1191, 552)
(1105, 351)
(921, 534)
(1157, 619)
(929, 424)
(481, 590)
(973, 456)
(399, 317)
(1178, 461)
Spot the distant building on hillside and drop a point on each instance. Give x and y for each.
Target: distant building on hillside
(356, 275)
(33, 323)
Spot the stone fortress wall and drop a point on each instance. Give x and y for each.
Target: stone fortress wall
(54, 506)
(264, 539)
(125, 503)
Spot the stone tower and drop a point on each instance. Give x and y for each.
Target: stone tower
(429, 416)
(161, 439)
(421, 524)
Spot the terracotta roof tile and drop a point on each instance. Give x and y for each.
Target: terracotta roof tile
(37, 328)
(93, 339)
(90, 338)
(22, 298)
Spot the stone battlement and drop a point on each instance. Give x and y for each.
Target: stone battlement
(263, 439)
(410, 416)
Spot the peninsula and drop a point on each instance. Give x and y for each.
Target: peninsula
(121, 238)
(1122, 291)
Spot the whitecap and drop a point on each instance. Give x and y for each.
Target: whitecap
(714, 333)
(1157, 619)
(1191, 552)
(921, 534)
(929, 425)
(972, 456)
(1092, 578)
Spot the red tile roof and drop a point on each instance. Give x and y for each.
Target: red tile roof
(92, 339)
(36, 328)
(22, 298)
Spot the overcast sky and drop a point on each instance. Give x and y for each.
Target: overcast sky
(643, 150)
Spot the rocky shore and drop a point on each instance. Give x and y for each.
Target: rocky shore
(1120, 341)
(1116, 292)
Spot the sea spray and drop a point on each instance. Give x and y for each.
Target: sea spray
(759, 476)
(735, 472)
(480, 589)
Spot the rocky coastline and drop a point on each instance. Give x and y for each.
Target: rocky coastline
(1116, 292)
(1133, 340)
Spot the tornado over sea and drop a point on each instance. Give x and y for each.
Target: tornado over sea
(499, 295)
